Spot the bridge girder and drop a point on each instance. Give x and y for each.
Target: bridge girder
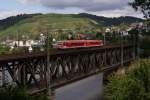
(65, 66)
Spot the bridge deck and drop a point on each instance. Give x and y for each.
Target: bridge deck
(10, 57)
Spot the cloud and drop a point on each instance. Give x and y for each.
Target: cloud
(7, 13)
(28, 1)
(107, 8)
(126, 11)
(88, 5)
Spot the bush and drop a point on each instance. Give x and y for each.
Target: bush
(19, 94)
(134, 85)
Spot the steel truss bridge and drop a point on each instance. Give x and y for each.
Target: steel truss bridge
(66, 66)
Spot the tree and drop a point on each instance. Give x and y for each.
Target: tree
(143, 6)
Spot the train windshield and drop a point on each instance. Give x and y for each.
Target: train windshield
(57, 44)
(60, 43)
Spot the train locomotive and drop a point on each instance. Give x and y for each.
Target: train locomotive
(68, 44)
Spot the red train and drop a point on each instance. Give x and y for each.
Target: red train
(77, 44)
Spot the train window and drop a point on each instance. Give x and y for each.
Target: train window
(77, 44)
(94, 43)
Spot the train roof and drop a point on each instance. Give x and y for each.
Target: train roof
(81, 41)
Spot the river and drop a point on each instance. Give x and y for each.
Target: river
(90, 88)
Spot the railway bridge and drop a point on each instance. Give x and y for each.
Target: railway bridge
(64, 67)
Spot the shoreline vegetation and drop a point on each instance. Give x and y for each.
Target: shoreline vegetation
(132, 85)
(10, 93)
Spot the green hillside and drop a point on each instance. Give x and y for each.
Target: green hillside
(34, 24)
(106, 21)
(37, 24)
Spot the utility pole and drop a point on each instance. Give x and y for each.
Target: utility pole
(138, 43)
(18, 39)
(104, 38)
(105, 59)
(122, 49)
(48, 71)
(48, 76)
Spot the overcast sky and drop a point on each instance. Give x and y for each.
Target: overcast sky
(107, 8)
